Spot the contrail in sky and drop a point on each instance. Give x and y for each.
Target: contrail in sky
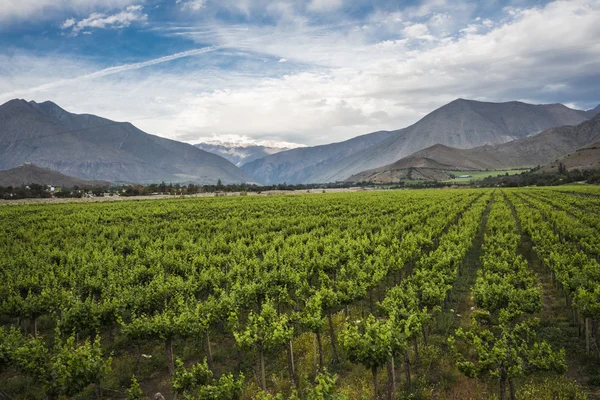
(115, 70)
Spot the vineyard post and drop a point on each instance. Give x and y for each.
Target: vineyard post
(391, 378)
(290, 352)
(587, 335)
(503, 375)
(375, 383)
(320, 343)
(315, 358)
(332, 334)
(169, 353)
(209, 351)
(407, 367)
(261, 356)
(416, 349)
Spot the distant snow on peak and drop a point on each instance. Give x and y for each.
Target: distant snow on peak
(246, 141)
(243, 149)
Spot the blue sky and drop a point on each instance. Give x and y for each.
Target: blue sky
(306, 71)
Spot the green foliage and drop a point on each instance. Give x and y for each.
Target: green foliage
(66, 369)
(312, 315)
(324, 388)
(10, 340)
(501, 341)
(504, 349)
(368, 342)
(263, 269)
(135, 391)
(266, 330)
(551, 389)
(197, 383)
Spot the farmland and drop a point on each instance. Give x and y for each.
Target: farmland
(448, 294)
(478, 175)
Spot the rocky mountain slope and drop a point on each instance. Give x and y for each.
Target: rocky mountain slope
(460, 124)
(593, 112)
(27, 174)
(91, 147)
(588, 157)
(526, 152)
(299, 165)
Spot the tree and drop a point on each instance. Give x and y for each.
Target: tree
(504, 351)
(368, 343)
(312, 319)
(177, 320)
(66, 369)
(264, 332)
(197, 383)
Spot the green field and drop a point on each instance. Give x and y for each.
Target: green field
(445, 294)
(478, 175)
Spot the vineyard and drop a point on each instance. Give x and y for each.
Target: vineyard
(445, 294)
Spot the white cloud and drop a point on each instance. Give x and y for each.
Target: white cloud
(470, 29)
(191, 5)
(555, 87)
(118, 20)
(324, 5)
(487, 23)
(68, 23)
(416, 30)
(15, 10)
(351, 83)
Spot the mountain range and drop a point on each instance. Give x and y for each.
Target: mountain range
(90, 147)
(301, 165)
(29, 173)
(241, 153)
(461, 124)
(531, 151)
(461, 135)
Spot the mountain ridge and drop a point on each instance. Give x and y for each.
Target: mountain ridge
(462, 123)
(530, 151)
(28, 174)
(91, 147)
(297, 165)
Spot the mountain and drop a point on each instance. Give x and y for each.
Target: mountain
(460, 124)
(90, 147)
(588, 157)
(27, 174)
(526, 152)
(593, 112)
(299, 165)
(241, 153)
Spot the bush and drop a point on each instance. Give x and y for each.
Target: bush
(555, 388)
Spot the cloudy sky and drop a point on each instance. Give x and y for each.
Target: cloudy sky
(305, 71)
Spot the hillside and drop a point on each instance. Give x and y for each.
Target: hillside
(29, 173)
(459, 124)
(527, 152)
(587, 157)
(91, 147)
(593, 112)
(299, 165)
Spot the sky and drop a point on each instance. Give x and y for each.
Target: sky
(302, 71)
